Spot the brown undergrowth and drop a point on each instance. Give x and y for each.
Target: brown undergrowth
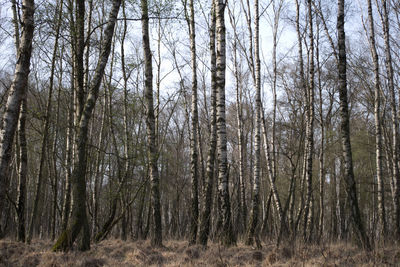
(177, 253)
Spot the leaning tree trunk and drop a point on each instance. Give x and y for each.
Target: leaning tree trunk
(378, 126)
(156, 232)
(251, 232)
(79, 216)
(204, 228)
(345, 133)
(226, 233)
(16, 94)
(283, 227)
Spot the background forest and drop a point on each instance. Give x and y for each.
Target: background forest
(229, 121)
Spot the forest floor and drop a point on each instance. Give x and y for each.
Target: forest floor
(177, 253)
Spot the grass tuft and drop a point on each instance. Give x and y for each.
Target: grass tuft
(115, 252)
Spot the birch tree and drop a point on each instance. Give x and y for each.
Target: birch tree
(378, 126)
(156, 232)
(204, 228)
(308, 213)
(16, 95)
(79, 221)
(226, 234)
(194, 168)
(395, 116)
(251, 233)
(345, 132)
(23, 154)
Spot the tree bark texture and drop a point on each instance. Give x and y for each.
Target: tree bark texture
(23, 171)
(378, 126)
(254, 215)
(16, 95)
(205, 219)
(156, 231)
(308, 215)
(194, 168)
(395, 117)
(345, 133)
(226, 232)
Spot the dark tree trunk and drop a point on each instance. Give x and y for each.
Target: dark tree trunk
(345, 133)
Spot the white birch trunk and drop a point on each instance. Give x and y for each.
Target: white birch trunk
(226, 235)
(16, 94)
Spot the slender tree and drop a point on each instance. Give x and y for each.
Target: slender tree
(345, 132)
(17, 93)
(22, 172)
(194, 169)
(204, 228)
(45, 137)
(251, 233)
(378, 126)
(156, 232)
(240, 132)
(322, 144)
(395, 116)
(23, 153)
(308, 213)
(226, 233)
(79, 217)
(302, 85)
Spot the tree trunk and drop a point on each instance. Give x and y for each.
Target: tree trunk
(16, 94)
(322, 148)
(125, 114)
(194, 169)
(204, 229)
(395, 118)
(22, 149)
(302, 86)
(36, 213)
(251, 232)
(70, 149)
(23, 170)
(378, 126)
(156, 231)
(241, 192)
(79, 216)
(274, 191)
(226, 234)
(345, 132)
(68, 161)
(54, 155)
(308, 215)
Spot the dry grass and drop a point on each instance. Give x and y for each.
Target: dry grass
(177, 253)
